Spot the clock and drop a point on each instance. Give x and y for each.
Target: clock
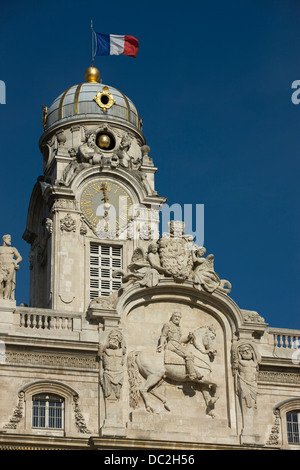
(107, 205)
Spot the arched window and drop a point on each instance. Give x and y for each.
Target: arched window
(293, 424)
(49, 408)
(47, 411)
(290, 422)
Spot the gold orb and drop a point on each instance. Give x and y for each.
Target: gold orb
(104, 141)
(92, 75)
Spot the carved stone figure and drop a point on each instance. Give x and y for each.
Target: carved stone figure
(145, 231)
(174, 255)
(112, 364)
(44, 118)
(89, 152)
(156, 367)
(143, 269)
(245, 362)
(171, 339)
(48, 226)
(9, 264)
(123, 158)
(204, 276)
(72, 169)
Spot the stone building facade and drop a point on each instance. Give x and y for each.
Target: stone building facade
(131, 339)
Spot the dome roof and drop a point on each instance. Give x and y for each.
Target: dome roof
(90, 101)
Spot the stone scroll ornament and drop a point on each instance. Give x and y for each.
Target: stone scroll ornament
(174, 256)
(9, 264)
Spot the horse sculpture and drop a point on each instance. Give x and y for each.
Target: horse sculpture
(156, 367)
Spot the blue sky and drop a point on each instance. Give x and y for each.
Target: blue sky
(212, 81)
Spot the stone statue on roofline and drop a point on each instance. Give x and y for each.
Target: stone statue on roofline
(9, 264)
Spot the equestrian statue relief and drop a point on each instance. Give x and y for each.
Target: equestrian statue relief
(186, 358)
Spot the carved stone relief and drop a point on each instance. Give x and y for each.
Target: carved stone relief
(245, 367)
(61, 203)
(48, 226)
(174, 256)
(83, 227)
(79, 419)
(68, 224)
(178, 357)
(112, 355)
(245, 362)
(89, 152)
(17, 414)
(144, 269)
(252, 317)
(122, 157)
(72, 169)
(275, 431)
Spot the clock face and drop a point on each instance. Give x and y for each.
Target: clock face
(106, 204)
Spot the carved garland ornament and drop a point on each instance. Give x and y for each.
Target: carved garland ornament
(17, 414)
(275, 431)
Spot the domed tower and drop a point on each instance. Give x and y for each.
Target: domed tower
(96, 200)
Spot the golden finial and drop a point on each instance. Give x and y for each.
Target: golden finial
(92, 75)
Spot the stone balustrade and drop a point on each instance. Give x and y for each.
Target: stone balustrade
(284, 338)
(46, 321)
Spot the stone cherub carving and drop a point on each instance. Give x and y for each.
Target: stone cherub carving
(9, 264)
(112, 364)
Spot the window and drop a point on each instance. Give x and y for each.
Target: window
(292, 422)
(47, 411)
(104, 260)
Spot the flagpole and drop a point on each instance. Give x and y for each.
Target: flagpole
(92, 48)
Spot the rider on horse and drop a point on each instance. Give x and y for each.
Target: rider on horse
(172, 339)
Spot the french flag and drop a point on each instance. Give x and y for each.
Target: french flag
(112, 44)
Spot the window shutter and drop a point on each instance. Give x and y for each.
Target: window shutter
(104, 260)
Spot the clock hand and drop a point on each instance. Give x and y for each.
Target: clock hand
(105, 197)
